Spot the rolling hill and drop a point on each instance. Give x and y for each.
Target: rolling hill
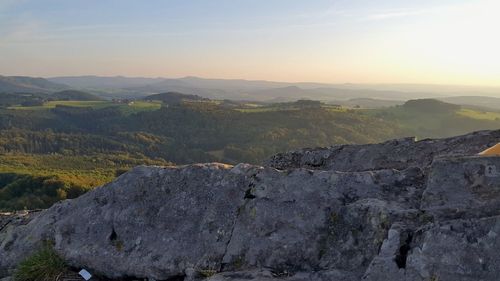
(98, 82)
(479, 101)
(88, 142)
(173, 97)
(74, 95)
(269, 91)
(24, 84)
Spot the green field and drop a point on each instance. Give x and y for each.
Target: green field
(254, 108)
(53, 104)
(425, 123)
(132, 107)
(481, 115)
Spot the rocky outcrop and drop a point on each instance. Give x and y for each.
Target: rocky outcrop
(245, 222)
(16, 218)
(393, 154)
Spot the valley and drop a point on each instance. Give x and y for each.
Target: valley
(75, 140)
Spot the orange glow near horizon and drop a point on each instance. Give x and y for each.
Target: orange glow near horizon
(452, 43)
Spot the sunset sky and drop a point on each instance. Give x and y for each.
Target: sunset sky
(356, 41)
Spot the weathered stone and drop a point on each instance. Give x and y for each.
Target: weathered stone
(395, 154)
(266, 275)
(456, 250)
(463, 187)
(463, 250)
(383, 217)
(390, 262)
(16, 218)
(150, 222)
(315, 220)
(165, 222)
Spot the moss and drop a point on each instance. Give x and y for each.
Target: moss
(238, 263)
(43, 265)
(334, 218)
(253, 212)
(384, 221)
(118, 245)
(205, 273)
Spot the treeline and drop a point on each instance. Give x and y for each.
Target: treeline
(47, 141)
(204, 131)
(186, 133)
(19, 192)
(31, 181)
(36, 99)
(52, 154)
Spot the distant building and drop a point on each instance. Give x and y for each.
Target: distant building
(122, 101)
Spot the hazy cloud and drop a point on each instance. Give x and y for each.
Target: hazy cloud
(19, 31)
(397, 14)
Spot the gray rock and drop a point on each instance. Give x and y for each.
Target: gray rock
(463, 187)
(266, 275)
(456, 250)
(462, 199)
(150, 222)
(462, 250)
(219, 222)
(14, 219)
(315, 220)
(395, 154)
(166, 222)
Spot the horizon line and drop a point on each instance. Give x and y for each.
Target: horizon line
(259, 80)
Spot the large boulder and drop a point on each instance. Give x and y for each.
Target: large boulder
(178, 222)
(319, 220)
(150, 222)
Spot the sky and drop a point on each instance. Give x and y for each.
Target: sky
(335, 41)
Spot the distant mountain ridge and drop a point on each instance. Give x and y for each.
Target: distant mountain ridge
(363, 95)
(96, 82)
(24, 84)
(235, 89)
(254, 85)
(479, 101)
(260, 90)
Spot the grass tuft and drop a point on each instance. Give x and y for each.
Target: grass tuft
(44, 265)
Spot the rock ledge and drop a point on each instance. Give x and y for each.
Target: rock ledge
(359, 213)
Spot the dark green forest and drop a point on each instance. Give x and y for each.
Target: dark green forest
(58, 150)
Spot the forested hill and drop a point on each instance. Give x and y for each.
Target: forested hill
(25, 84)
(74, 95)
(67, 147)
(173, 97)
(202, 130)
(187, 132)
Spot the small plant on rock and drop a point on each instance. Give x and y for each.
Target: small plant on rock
(43, 265)
(207, 272)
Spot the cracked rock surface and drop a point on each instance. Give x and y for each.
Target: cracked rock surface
(432, 215)
(393, 154)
